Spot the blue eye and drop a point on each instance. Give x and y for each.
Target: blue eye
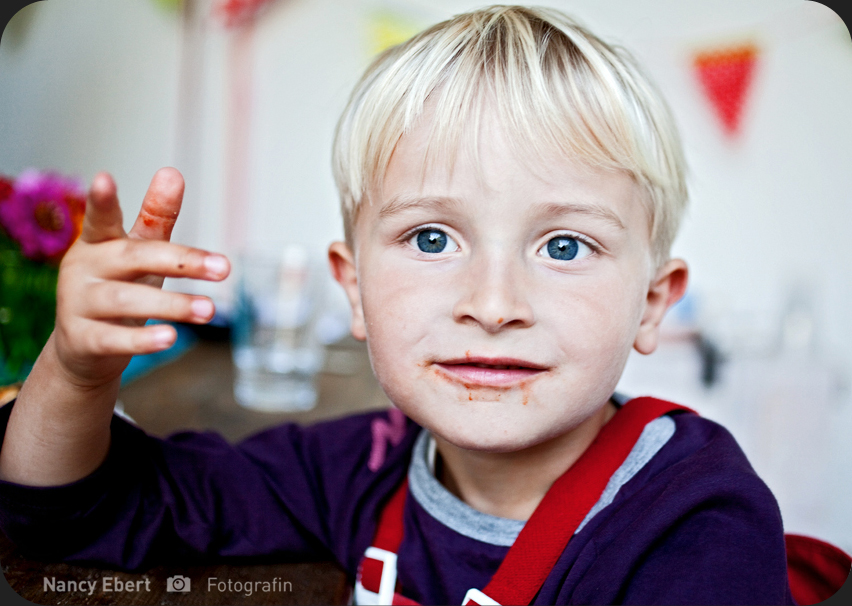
(565, 248)
(435, 241)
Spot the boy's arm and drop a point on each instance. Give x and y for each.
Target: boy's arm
(109, 285)
(287, 492)
(58, 431)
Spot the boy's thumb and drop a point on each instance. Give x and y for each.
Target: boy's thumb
(103, 214)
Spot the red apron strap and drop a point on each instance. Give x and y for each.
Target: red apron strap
(375, 582)
(553, 523)
(390, 529)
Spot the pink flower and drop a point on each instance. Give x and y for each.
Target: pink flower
(42, 214)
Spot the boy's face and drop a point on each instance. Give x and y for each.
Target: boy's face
(499, 304)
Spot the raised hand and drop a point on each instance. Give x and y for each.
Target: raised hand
(109, 282)
(109, 285)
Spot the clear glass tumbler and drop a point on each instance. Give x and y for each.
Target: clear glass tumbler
(276, 351)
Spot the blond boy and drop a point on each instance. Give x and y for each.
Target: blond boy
(511, 186)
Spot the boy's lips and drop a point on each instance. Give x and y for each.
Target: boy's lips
(489, 372)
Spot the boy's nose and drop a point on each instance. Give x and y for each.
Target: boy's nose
(494, 296)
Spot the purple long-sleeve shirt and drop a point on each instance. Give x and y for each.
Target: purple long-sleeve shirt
(684, 520)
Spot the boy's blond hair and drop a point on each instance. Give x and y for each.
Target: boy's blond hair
(555, 86)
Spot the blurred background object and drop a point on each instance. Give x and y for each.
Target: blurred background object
(276, 346)
(760, 88)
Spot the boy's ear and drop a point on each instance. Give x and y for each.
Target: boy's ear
(666, 289)
(341, 259)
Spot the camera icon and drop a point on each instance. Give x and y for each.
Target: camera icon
(177, 584)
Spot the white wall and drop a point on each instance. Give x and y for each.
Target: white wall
(90, 85)
(87, 85)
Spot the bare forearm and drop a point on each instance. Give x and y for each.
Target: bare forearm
(58, 431)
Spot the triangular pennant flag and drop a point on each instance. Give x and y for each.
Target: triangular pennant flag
(725, 75)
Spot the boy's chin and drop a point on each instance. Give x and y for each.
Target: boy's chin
(488, 431)
(492, 446)
(502, 441)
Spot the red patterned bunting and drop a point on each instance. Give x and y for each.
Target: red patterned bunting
(725, 75)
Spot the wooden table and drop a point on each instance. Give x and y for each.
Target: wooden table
(195, 392)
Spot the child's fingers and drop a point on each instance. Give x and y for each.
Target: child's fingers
(102, 220)
(131, 259)
(121, 300)
(102, 339)
(160, 207)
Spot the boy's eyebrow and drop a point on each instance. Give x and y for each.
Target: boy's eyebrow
(402, 203)
(546, 210)
(558, 209)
